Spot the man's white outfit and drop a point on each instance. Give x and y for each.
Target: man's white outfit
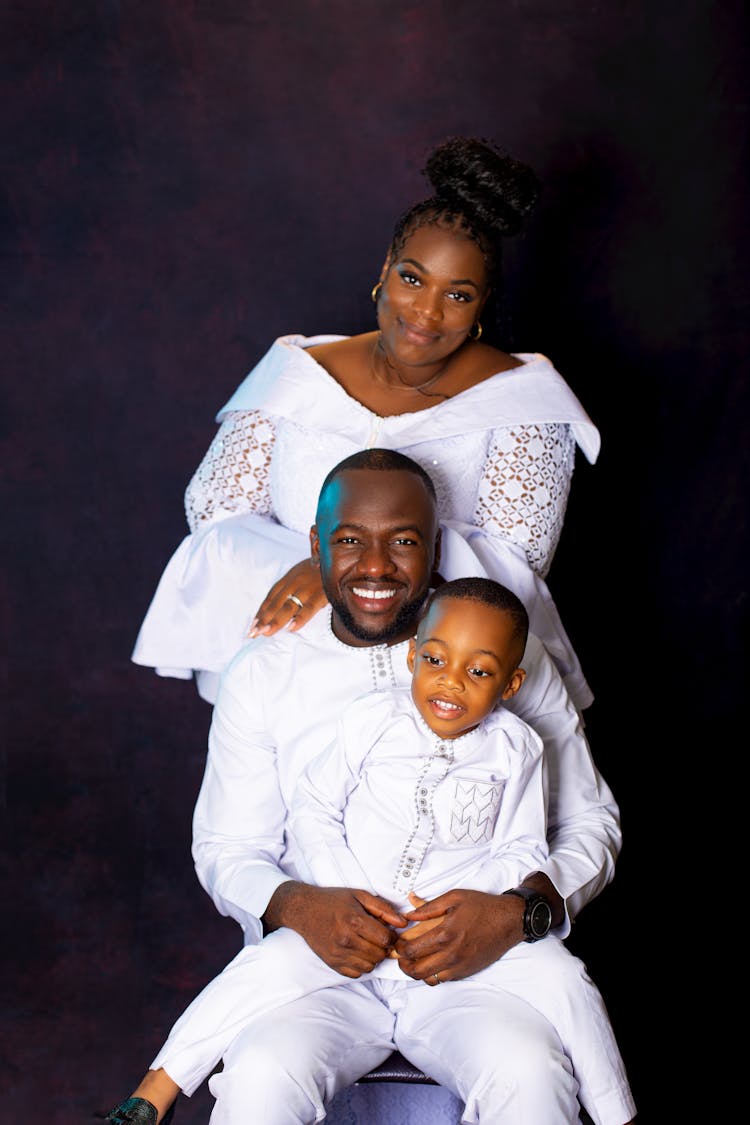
(392, 808)
(278, 706)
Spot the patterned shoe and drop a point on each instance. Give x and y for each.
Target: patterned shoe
(137, 1111)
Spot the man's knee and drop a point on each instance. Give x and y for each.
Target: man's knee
(291, 1061)
(265, 1080)
(495, 1052)
(529, 1077)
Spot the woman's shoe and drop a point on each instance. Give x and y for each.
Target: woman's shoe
(137, 1111)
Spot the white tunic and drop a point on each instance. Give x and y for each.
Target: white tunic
(392, 808)
(277, 708)
(501, 455)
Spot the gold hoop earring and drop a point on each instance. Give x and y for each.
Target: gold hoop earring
(476, 325)
(375, 292)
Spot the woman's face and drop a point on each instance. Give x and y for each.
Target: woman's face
(433, 293)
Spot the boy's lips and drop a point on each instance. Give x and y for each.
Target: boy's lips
(446, 708)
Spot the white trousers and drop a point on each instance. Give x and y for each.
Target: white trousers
(519, 1043)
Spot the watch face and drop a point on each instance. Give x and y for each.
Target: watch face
(540, 919)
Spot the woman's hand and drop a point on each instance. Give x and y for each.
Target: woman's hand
(291, 601)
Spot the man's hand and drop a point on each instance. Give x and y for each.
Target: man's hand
(474, 930)
(349, 930)
(470, 931)
(278, 608)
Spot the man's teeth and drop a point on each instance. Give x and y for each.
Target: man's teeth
(379, 595)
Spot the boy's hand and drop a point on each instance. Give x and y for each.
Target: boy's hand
(417, 928)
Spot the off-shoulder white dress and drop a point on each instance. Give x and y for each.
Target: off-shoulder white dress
(501, 455)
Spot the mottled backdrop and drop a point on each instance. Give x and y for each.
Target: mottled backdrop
(183, 180)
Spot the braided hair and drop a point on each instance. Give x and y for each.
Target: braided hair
(478, 189)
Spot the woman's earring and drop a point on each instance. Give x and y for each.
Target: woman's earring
(478, 327)
(375, 293)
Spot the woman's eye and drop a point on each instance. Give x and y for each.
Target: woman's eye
(458, 295)
(410, 278)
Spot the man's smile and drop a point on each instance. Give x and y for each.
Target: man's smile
(376, 594)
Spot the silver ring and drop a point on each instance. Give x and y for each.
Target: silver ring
(436, 978)
(295, 599)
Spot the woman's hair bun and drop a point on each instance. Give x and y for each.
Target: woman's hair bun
(474, 176)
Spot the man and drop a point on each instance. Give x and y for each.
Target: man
(376, 541)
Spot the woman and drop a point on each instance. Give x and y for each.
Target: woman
(496, 432)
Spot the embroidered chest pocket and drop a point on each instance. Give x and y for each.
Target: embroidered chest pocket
(474, 810)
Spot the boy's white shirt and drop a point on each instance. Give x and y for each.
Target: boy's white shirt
(277, 709)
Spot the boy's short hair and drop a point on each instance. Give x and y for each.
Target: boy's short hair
(490, 593)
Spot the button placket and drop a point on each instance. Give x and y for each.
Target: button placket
(433, 772)
(381, 665)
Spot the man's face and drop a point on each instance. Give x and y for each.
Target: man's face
(375, 542)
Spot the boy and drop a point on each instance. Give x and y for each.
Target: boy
(421, 792)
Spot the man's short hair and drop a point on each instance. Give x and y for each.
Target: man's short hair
(380, 460)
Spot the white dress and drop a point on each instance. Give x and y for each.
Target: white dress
(501, 456)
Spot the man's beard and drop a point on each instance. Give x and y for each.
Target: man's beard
(404, 623)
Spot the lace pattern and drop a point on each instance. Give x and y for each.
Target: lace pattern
(233, 476)
(524, 490)
(514, 481)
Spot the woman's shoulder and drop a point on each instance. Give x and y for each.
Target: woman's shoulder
(335, 351)
(476, 363)
(288, 358)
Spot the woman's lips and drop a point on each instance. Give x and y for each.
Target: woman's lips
(417, 335)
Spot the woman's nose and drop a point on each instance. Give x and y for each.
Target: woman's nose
(428, 303)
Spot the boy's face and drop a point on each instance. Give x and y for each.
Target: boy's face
(463, 661)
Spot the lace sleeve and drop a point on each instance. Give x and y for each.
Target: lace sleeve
(524, 489)
(233, 475)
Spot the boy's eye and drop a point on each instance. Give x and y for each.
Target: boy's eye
(479, 672)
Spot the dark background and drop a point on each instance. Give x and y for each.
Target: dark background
(184, 181)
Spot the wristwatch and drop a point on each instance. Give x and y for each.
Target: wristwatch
(537, 917)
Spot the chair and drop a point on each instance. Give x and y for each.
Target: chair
(397, 1069)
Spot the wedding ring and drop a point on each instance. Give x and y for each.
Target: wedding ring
(436, 978)
(295, 599)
